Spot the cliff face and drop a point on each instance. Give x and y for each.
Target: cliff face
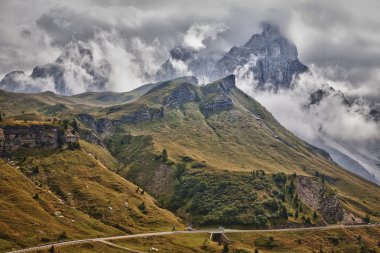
(277, 59)
(314, 194)
(13, 137)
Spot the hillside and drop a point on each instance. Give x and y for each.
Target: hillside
(46, 192)
(215, 127)
(210, 154)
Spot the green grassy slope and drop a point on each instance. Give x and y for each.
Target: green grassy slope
(26, 220)
(244, 137)
(71, 191)
(237, 135)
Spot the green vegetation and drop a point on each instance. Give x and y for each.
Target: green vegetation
(221, 197)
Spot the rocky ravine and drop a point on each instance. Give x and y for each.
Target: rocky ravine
(314, 193)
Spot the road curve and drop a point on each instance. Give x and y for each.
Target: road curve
(203, 231)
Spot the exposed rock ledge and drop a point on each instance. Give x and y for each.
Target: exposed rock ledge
(13, 137)
(314, 193)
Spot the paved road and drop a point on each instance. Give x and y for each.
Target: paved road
(204, 231)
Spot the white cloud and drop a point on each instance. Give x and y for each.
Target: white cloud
(197, 34)
(125, 72)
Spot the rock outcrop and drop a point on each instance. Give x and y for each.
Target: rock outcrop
(314, 193)
(14, 137)
(103, 126)
(215, 95)
(182, 94)
(217, 103)
(90, 136)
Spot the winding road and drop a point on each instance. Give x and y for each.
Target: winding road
(204, 231)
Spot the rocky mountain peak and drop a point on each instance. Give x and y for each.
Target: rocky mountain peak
(182, 53)
(74, 71)
(74, 52)
(275, 61)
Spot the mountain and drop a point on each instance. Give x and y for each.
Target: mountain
(184, 61)
(269, 57)
(74, 71)
(210, 154)
(269, 61)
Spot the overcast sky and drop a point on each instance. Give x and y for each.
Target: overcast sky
(341, 38)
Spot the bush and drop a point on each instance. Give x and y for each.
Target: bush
(186, 159)
(279, 179)
(164, 155)
(366, 219)
(143, 208)
(62, 236)
(271, 204)
(334, 240)
(266, 242)
(225, 248)
(179, 170)
(198, 165)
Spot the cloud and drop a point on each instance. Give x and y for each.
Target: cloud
(339, 37)
(126, 73)
(198, 33)
(330, 117)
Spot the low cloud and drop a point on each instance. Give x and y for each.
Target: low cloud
(197, 34)
(330, 117)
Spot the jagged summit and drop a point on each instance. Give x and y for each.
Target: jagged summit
(269, 56)
(74, 71)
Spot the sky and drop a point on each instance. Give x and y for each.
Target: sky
(338, 38)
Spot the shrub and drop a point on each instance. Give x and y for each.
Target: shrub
(62, 236)
(266, 242)
(186, 159)
(198, 165)
(271, 204)
(179, 170)
(283, 212)
(334, 240)
(142, 208)
(164, 155)
(366, 219)
(225, 248)
(35, 170)
(279, 179)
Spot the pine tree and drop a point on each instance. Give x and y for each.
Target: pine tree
(164, 155)
(75, 126)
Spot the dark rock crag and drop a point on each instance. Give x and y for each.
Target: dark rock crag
(14, 137)
(277, 59)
